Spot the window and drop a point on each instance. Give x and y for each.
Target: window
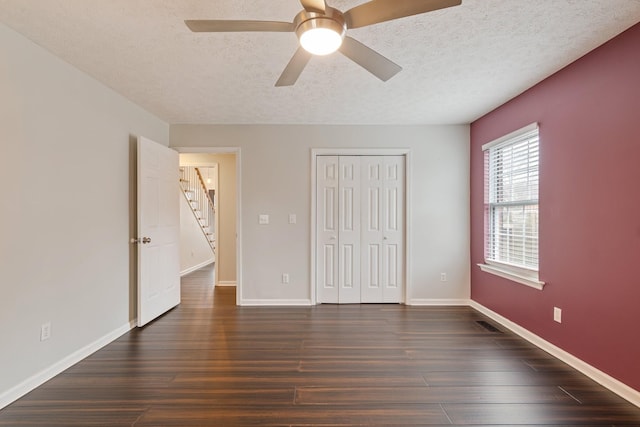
(511, 206)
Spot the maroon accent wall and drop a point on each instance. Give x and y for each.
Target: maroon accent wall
(589, 117)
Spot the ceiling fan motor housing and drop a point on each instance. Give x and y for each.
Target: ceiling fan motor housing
(332, 19)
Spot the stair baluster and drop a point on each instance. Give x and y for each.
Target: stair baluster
(195, 191)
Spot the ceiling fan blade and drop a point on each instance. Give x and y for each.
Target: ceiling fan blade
(369, 59)
(377, 11)
(294, 68)
(314, 5)
(220, 26)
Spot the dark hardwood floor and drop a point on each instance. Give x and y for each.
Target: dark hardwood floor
(210, 363)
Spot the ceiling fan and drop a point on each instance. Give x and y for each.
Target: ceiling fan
(321, 30)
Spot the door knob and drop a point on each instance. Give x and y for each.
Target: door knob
(144, 240)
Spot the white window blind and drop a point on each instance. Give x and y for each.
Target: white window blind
(512, 178)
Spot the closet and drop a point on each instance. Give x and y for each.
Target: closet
(360, 211)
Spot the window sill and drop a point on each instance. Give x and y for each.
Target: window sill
(510, 275)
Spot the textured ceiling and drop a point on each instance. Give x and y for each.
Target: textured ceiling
(458, 63)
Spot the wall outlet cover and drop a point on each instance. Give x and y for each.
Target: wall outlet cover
(557, 314)
(45, 331)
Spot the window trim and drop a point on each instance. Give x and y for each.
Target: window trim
(516, 274)
(528, 128)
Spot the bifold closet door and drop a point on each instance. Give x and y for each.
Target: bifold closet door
(360, 229)
(338, 229)
(382, 224)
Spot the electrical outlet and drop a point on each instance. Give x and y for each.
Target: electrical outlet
(285, 278)
(292, 218)
(443, 277)
(45, 331)
(263, 219)
(557, 314)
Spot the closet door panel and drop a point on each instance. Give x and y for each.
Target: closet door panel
(393, 214)
(372, 227)
(327, 229)
(349, 230)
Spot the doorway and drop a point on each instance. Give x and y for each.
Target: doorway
(226, 202)
(198, 212)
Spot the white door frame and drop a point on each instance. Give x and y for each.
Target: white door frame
(406, 152)
(236, 151)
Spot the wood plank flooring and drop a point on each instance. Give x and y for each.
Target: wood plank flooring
(210, 363)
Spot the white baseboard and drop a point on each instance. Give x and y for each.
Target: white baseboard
(619, 388)
(45, 375)
(197, 267)
(275, 302)
(438, 302)
(226, 283)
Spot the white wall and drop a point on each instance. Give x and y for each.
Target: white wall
(68, 197)
(195, 251)
(227, 198)
(275, 164)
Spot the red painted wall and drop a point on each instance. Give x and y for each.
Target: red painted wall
(589, 116)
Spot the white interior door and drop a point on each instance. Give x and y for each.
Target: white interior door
(327, 229)
(158, 230)
(372, 228)
(349, 230)
(394, 229)
(382, 256)
(360, 229)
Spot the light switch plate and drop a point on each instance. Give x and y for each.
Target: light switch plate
(292, 218)
(263, 219)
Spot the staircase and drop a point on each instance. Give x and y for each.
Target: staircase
(195, 191)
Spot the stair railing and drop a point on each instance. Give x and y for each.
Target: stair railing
(195, 191)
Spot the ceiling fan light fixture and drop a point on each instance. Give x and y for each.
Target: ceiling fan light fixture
(320, 41)
(321, 35)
